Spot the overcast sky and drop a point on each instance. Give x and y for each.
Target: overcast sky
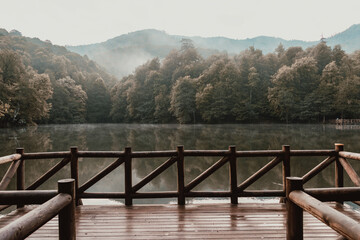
(73, 22)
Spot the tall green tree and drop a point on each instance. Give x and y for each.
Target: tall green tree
(140, 95)
(182, 103)
(282, 96)
(348, 97)
(321, 102)
(68, 102)
(322, 54)
(98, 103)
(218, 98)
(24, 93)
(118, 94)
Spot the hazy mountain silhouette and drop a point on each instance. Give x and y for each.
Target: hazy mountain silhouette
(122, 54)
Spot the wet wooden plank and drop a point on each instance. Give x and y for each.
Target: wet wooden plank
(205, 221)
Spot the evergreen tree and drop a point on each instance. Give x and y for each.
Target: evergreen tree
(98, 103)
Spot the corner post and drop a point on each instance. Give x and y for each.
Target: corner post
(285, 166)
(294, 223)
(339, 169)
(180, 177)
(67, 229)
(233, 175)
(20, 174)
(128, 177)
(75, 170)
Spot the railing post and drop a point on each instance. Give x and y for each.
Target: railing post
(75, 170)
(67, 215)
(233, 175)
(294, 223)
(20, 174)
(180, 177)
(285, 167)
(339, 169)
(128, 177)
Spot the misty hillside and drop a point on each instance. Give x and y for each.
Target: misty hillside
(62, 86)
(122, 54)
(348, 39)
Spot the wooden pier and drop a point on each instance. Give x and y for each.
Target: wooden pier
(341, 121)
(301, 213)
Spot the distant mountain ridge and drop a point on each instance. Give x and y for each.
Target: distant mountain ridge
(122, 54)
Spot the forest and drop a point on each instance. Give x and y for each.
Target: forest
(43, 83)
(289, 85)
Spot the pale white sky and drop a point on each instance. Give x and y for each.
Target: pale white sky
(73, 22)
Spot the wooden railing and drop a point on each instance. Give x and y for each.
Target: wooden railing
(297, 197)
(60, 203)
(311, 200)
(300, 199)
(185, 190)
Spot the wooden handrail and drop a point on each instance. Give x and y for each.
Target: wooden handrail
(206, 153)
(338, 221)
(298, 200)
(259, 153)
(101, 154)
(27, 224)
(10, 158)
(313, 153)
(334, 194)
(63, 203)
(170, 153)
(26, 196)
(351, 155)
(45, 155)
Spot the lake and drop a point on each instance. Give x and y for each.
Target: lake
(144, 137)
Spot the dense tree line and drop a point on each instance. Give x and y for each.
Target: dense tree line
(292, 85)
(45, 83)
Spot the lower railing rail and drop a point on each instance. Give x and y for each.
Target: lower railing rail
(61, 202)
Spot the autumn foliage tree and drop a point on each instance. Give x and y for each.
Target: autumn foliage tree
(24, 93)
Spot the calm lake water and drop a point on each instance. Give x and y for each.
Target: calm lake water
(143, 137)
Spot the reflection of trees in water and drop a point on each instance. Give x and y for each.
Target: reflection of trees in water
(146, 137)
(113, 182)
(30, 137)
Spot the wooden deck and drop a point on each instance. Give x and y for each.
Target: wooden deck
(205, 221)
